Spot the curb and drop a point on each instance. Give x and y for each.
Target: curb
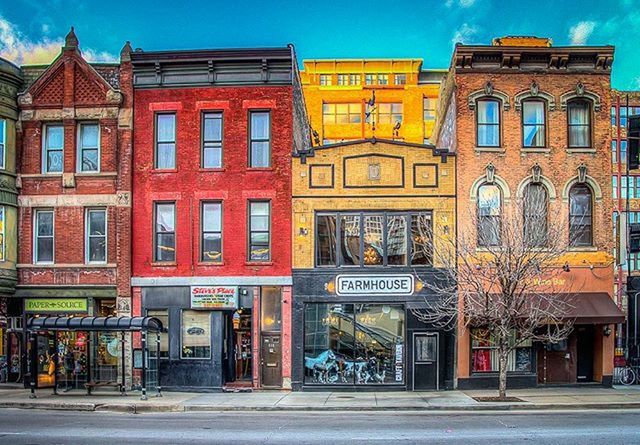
(142, 408)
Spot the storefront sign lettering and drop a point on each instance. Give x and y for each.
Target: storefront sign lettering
(56, 305)
(399, 362)
(388, 284)
(214, 297)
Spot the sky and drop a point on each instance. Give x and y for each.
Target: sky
(33, 31)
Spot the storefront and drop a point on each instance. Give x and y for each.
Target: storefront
(218, 336)
(358, 330)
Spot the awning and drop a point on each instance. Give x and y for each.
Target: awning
(593, 308)
(94, 324)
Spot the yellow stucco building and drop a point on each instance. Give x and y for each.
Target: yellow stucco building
(339, 96)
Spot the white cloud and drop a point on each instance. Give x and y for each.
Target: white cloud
(20, 49)
(581, 31)
(462, 3)
(464, 34)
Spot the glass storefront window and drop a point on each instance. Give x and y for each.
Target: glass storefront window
(484, 353)
(354, 344)
(373, 246)
(196, 334)
(271, 319)
(326, 240)
(396, 240)
(163, 316)
(350, 239)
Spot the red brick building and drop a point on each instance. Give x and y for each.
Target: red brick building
(215, 130)
(74, 165)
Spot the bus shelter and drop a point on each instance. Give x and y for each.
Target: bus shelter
(76, 348)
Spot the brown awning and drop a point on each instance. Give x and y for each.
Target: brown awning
(593, 308)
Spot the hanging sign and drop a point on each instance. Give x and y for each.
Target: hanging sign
(381, 284)
(214, 297)
(56, 305)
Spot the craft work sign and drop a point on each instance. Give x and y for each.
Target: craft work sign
(387, 284)
(56, 305)
(214, 297)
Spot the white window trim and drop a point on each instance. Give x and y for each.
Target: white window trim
(87, 236)
(35, 236)
(3, 131)
(79, 145)
(44, 149)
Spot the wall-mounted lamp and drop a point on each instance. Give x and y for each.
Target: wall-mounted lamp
(607, 331)
(566, 267)
(303, 231)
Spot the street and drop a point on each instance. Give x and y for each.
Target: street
(96, 428)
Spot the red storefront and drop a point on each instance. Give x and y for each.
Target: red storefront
(214, 133)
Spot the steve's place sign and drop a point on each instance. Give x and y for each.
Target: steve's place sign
(387, 284)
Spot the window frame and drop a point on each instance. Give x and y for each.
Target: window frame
(325, 80)
(526, 213)
(250, 231)
(203, 141)
(46, 150)
(81, 148)
(203, 232)
(88, 236)
(589, 124)
(156, 233)
(251, 140)
(36, 225)
(499, 124)
(156, 142)
(480, 244)
(544, 126)
(572, 242)
(208, 313)
(3, 143)
(398, 77)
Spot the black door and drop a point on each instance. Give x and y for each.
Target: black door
(425, 360)
(585, 353)
(271, 356)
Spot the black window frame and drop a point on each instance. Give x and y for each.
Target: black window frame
(589, 124)
(156, 142)
(531, 219)
(339, 263)
(250, 230)
(156, 233)
(252, 140)
(204, 141)
(572, 227)
(203, 232)
(498, 124)
(37, 236)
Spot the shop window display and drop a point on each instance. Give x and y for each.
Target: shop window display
(196, 334)
(485, 353)
(354, 344)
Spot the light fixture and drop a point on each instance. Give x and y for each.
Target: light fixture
(536, 173)
(490, 171)
(303, 231)
(582, 173)
(607, 331)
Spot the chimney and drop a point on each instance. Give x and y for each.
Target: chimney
(531, 41)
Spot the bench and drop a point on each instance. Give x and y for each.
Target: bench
(106, 384)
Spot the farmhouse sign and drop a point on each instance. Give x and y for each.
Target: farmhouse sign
(381, 284)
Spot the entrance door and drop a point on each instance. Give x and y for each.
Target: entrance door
(585, 353)
(425, 360)
(271, 359)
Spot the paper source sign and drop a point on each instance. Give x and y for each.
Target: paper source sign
(388, 284)
(214, 297)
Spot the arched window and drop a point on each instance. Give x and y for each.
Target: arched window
(535, 215)
(579, 123)
(580, 216)
(489, 215)
(534, 128)
(488, 123)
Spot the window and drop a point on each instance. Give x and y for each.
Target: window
(325, 79)
(369, 79)
(389, 113)
(614, 116)
(579, 119)
(356, 344)
(535, 215)
(89, 147)
(614, 151)
(623, 152)
(165, 232)
(43, 243)
(367, 239)
(2, 233)
(211, 240)
(484, 353)
(580, 216)
(341, 113)
(165, 153)
(489, 215)
(212, 140)
(614, 184)
(623, 117)
(429, 108)
(271, 309)
(196, 334)
(260, 130)
(3, 143)
(383, 79)
(488, 123)
(628, 186)
(354, 79)
(533, 124)
(259, 231)
(52, 161)
(348, 79)
(96, 236)
(400, 79)
(163, 316)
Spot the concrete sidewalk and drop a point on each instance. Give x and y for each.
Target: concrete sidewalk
(531, 399)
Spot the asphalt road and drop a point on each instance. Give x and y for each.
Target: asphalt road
(550, 427)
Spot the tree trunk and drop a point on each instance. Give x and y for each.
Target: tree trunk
(503, 354)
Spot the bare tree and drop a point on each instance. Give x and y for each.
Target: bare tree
(504, 285)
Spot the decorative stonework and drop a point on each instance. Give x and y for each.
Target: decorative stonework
(535, 92)
(491, 92)
(581, 92)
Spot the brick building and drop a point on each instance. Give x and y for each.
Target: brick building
(215, 130)
(523, 114)
(74, 164)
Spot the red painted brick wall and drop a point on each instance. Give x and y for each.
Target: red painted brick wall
(234, 184)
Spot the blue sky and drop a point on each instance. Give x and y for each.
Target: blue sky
(31, 30)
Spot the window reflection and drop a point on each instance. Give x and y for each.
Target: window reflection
(350, 239)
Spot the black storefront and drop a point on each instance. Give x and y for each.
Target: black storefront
(358, 330)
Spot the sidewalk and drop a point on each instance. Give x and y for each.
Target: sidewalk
(532, 399)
